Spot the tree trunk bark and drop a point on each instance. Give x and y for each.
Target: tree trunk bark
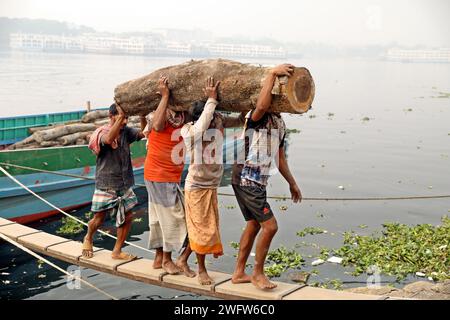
(72, 138)
(94, 115)
(53, 134)
(239, 88)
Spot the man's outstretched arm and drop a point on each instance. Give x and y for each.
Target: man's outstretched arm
(296, 194)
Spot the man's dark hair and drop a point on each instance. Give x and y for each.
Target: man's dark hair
(197, 109)
(113, 110)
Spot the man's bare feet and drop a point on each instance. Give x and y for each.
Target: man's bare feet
(262, 282)
(240, 278)
(170, 267)
(186, 269)
(122, 256)
(157, 263)
(87, 248)
(204, 279)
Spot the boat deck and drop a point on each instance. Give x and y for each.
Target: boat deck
(141, 270)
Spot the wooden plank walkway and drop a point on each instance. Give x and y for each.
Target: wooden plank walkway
(141, 270)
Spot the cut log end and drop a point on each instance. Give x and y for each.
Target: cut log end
(301, 90)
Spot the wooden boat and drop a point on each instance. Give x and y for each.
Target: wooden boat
(66, 192)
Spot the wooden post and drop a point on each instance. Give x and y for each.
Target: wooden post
(88, 106)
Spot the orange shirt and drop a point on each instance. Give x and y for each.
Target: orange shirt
(159, 165)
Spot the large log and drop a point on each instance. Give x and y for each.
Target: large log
(53, 134)
(72, 138)
(239, 89)
(94, 115)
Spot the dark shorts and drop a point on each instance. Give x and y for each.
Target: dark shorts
(253, 202)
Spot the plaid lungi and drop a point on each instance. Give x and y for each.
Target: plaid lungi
(120, 201)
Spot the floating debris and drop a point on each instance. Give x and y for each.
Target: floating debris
(137, 220)
(363, 226)
(420, 274)
(293, 131)
(341, 187)
(365, 119)
(283, 208)
(317, 262)
(299, 276)
(334, 259)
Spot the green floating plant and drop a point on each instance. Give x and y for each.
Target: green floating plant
(70, 227)
(310, 231)
(400, 250)
(282, 259)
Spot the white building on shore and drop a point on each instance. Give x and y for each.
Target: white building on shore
(117, 44)
(411, 55)
(245, 50)
(39, 42)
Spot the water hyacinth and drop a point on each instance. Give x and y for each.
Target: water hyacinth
(70, 227)
(401, 250)
(282, 259)
(310, 231)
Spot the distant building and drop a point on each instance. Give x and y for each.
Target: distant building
(137, 45)
(410, 55)
(245, 51)
(39, 42)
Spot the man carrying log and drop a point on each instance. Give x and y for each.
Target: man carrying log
(113, 180)
(162, 176)
(264, 146)
(204, 142)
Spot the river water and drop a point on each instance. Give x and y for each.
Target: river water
(376, 129)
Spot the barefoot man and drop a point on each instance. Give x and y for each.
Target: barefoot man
(264, 148)
(204, 142)
(162, 176)
(113, 180)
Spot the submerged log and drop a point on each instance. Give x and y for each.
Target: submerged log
(239, 89)
(94, 115)
(53, 134)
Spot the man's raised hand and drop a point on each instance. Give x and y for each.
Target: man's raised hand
(163, 86)
(211, 89)
(283, 70)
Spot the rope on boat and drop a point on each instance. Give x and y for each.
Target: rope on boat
(4, 237)
(65, 213)
(232, 195)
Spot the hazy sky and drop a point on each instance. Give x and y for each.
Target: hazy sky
(407, 22)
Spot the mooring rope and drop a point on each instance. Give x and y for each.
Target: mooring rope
(18, 245)
(65, 213)
(421, 197)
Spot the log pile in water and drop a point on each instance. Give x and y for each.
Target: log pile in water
(70, 133)
(239, 89)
